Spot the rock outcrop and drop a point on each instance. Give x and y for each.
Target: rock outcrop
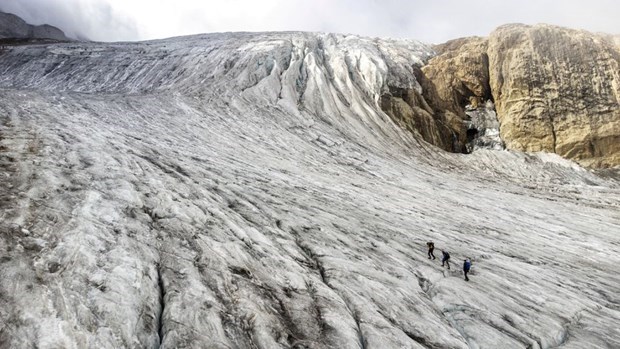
(13, 27)
(460, 74)
(456, 77)
(555, 89)
(413, 110)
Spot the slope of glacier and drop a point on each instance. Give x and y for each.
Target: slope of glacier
(246, 191)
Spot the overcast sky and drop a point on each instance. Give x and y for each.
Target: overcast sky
(432, 21)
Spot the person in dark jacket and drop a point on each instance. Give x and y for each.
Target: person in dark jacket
(466, 267)
(445, 258)
(431, 248)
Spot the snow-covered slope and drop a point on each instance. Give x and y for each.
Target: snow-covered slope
(246, 191)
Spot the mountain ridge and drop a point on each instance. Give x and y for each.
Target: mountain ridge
(15, 28)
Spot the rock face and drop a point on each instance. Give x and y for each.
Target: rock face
(409, 109)
(555, 89)
(458, 76)
(13, 27)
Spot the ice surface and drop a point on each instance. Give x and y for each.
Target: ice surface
(246, 191)
(483, 128)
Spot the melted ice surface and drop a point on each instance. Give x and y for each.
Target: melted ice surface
(246, 191)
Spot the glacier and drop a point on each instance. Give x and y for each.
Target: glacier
(245, 190)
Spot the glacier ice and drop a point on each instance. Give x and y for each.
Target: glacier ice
(244, 190)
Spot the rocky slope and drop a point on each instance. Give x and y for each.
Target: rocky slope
(14, 28)
(555, 89)
(248, 191)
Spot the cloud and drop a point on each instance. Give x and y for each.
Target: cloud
(451, 19)
(430, 21)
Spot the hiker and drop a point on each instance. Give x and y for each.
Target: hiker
(445, 259)
(466, 267)
(431, 248)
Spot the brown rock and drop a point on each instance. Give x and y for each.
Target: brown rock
(456, 77)
(460, 74)
(410, 110)
(557, 90)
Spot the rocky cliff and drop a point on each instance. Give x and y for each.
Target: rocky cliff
(555, 89)
(15, 28)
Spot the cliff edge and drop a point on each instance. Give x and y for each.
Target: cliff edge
(555, 89)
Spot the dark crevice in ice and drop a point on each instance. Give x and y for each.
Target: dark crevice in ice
(162, 305)
(420, 340)
(312, 258)
(316, 263)
(565, 333)
(414, 337)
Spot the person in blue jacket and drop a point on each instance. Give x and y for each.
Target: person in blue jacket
(466, 267)
(445, 259)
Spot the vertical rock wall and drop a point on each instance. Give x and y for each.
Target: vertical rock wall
(555, 90)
